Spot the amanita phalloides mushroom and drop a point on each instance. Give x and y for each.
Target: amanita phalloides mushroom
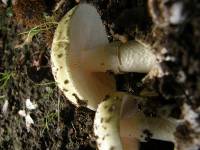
(114, 130)
(82, 58)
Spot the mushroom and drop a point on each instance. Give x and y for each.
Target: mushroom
(115, 130)
(82, 57)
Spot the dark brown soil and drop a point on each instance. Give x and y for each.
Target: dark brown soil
(60, 125)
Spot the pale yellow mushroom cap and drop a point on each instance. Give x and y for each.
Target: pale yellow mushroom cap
(81, 29)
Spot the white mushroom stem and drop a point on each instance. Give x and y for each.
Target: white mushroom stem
(118, 57)
(109, 127)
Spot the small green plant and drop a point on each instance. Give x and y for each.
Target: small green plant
(45, 84)
(50, 88)
(37, 29)
(4, 79)
(2, 96)
(49, 118)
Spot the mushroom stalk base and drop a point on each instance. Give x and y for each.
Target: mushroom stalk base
(118, 58)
